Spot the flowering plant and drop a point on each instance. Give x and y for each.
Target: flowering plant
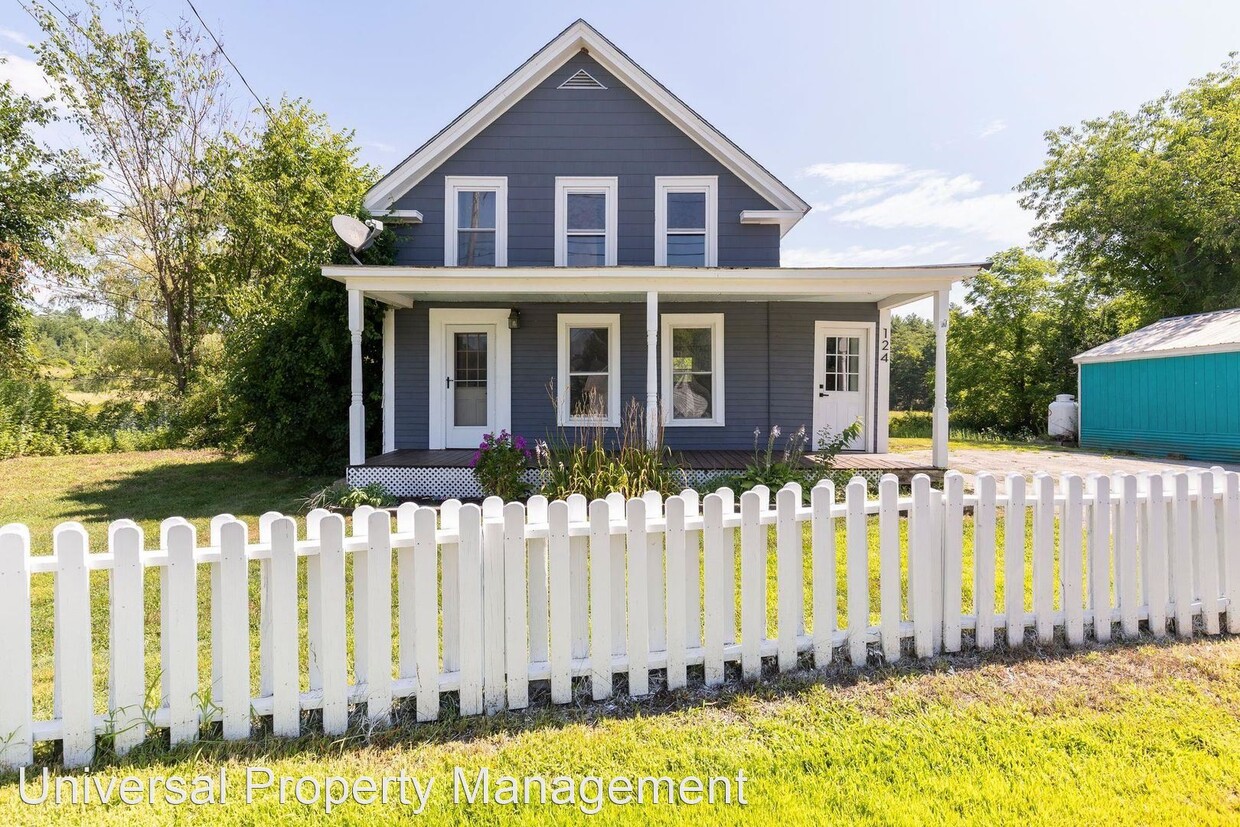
(499, 465)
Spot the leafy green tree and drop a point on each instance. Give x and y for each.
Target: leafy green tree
(1011, 347)
(1148, 202)
(912, 363)
(43, 194)
(285, 381)
(150, 110)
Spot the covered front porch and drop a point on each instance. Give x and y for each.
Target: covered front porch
(794, 346)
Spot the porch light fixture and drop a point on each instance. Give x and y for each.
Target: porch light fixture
(514, 319)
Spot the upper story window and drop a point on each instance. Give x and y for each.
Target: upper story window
(586, 214)
(475, 221)
(686, 217)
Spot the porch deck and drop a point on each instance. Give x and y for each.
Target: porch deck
(869, 464)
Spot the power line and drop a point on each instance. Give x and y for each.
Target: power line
(220, 46)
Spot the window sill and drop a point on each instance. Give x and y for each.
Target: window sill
(588, 423)
(694, 423)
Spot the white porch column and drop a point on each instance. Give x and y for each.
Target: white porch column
(652, 368)
(357, 410)
(389, 380)
(882, 420)
(939, 434)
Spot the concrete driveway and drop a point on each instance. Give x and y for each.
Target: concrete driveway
(1029, 461)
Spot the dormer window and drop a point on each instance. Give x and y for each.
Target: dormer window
(586, 214)
(686, 217)
(475, 221)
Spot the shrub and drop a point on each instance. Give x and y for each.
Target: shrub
(342, 495)
(776, 468)
(594, 462)
(910, 424)
(499, 466)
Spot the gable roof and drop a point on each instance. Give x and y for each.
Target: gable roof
(789, 207)
(1215, 332)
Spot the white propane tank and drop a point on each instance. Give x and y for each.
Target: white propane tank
(1061, 423)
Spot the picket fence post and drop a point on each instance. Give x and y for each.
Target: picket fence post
(984, 562)
(600, 600)
(822, 537)
(126, 677)
(858, 570)
(890, 592)
(17, 688)
(718, 568)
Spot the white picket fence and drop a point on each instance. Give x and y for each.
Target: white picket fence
(491, 598)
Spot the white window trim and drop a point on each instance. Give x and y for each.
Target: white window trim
(664, 184)
(609, 187)
(452, 184)
(612, 322)
(715, 322)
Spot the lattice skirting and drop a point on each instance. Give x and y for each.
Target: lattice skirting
(459, 483)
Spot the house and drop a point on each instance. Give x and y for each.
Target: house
(581, 228)
(1169, 388)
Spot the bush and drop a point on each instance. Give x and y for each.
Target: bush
(775, 469)
(583, 463)
(499, 466)
(910, 424)
(36, 420)
(342, 495)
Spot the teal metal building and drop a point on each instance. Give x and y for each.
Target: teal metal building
(1169, 389)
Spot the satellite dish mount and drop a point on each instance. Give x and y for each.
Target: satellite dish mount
(357, 236)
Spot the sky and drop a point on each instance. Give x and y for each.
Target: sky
(905, 124)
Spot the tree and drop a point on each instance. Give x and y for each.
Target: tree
(42, 195)
(1011, 347)
(286, 365)
(912, 363)
(1148, 203)
(151, 112)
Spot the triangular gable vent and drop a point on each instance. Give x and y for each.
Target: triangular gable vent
(581, 80)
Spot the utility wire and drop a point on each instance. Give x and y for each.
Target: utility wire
(220, 46)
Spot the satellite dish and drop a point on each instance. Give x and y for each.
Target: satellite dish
(356, 235)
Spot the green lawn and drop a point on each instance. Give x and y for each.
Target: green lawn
(1138, 734)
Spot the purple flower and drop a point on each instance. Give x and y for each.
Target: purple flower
(473, 463)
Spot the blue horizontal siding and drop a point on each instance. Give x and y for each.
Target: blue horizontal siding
(1185, 405)
(768, 373)
(605, 132)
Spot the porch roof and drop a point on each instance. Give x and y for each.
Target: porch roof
(888, 286)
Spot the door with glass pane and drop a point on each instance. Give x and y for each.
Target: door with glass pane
(841, 380)
(469, 383)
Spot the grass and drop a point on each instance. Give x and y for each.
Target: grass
(1129, 734)
(910, 431)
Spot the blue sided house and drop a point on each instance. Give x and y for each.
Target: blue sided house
(580, 242)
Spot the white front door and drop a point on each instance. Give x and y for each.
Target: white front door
(841, 380)
(469, 384)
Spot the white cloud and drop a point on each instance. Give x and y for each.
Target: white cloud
(928, 199)
(15, 36)
(855, 172)
(379, 146)
(859, 256)
(993, 128)
(25, 75)
(861, 196)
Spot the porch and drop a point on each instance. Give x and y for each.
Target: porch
(441, 473)
(473, 350)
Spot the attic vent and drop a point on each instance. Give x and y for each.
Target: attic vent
(582, 80)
